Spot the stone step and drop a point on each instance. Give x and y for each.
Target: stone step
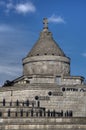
(43, 120)
(43, 127)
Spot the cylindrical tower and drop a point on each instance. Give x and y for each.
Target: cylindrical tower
(46, 57)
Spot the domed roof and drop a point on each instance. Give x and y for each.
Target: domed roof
(46, 45)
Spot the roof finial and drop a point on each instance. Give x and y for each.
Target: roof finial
(45, 22)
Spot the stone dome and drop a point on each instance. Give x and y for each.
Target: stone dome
(46, 57)
(46, 45)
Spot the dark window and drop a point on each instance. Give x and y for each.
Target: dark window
(45, 53)
(37, 54)
(52, 53)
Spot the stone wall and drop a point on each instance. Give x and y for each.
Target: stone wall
(51, 97)
(46, 65)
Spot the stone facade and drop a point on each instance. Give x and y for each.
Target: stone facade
(46, 96)
(46, 65)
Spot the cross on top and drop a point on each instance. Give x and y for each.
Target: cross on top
(45, 22)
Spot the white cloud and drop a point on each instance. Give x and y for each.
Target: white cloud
(56, 19)
(18, 7)
(25, 8)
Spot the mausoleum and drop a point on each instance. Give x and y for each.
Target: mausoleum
(46, 96)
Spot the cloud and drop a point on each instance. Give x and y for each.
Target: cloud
(56, 19)
(18, 7)
(25, 8)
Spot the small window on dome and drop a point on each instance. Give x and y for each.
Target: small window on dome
(37, 54)
(45, 53)
(53, 54)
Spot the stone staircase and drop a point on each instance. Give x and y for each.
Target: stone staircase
(43, 123)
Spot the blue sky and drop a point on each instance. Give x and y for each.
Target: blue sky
(21, 23)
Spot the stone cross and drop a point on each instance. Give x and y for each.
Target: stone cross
(45, 22)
